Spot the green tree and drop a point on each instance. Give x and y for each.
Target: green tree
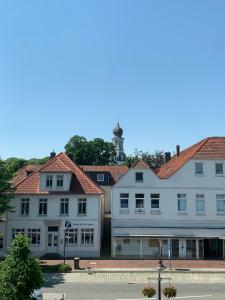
(94, 152)
(38, 161)
(15, 163)
(154, 160)
(6, 188)
(20, 272)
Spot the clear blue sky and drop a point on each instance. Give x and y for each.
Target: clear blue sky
(76, 67)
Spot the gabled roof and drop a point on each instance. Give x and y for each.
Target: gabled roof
(140, 164)
(80, 182)
(115, 171)
(23, 173)
(209, 148)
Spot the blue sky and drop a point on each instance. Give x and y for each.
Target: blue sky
(76, 67)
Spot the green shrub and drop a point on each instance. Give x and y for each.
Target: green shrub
(64, 268)
(149, 292)
(60, 268)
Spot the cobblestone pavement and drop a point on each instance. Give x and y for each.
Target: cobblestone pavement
(53, 296)
(138, 277)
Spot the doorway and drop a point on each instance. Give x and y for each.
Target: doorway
(52, 246)
(213, 249)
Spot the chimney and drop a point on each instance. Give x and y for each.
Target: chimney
(178, 150)
(167, 156)
(52, 154)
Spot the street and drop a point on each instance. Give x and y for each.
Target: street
(130, 291)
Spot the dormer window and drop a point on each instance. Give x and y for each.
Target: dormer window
(139, 176)
(59, 180)
(100, 177)
(49, 181)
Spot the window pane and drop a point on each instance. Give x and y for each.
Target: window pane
(198, 168)
(219, 168)
(124, 203)
(139, 176)
(155, 203)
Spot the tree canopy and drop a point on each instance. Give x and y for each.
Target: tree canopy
(15, 163)
(93, 152)
(20, 272)
(6, 187)
(154, 160)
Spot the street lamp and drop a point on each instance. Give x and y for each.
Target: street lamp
(67, 226)
(160, 269)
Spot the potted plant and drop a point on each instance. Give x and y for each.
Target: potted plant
(149, 291)
(170, 292)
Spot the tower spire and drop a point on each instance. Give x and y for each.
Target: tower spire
(118, 142)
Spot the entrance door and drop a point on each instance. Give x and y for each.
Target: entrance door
(213, 248)
(52, 242)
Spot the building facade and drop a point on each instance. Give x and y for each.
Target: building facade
(55, 206)
(178, 211)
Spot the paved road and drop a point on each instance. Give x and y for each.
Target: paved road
(75, 291)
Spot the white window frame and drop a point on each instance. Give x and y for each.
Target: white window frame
(154, 197)
(24, 204)
(43, 201)
(15, 231)
(82, 202)
(72, 232)
(37, 234)
(59, 179)
(87, 232)
(220, 199)
(124, 196)
(219, 163)
(139, 210)
(100, 177)
(63, 203)
(200, 198)
(48, 180)
(199, 163)
(181, 197)
(139, 180)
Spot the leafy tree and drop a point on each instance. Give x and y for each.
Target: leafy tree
(15, 163)
(154, 160)
(38, 161)
(6, 188)
(20, 272)
(94, 152)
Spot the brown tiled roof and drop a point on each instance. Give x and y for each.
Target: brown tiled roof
(80, 183)
(23, 173)
(115, 171)
(209, 148)
(140, 164)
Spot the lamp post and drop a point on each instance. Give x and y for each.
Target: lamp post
(160, 269)
(67, 226)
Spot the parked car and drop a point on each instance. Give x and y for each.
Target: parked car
(37, 295)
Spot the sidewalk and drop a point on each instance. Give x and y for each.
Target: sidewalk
(145, 265)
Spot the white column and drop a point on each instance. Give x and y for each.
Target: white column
(197, 249)
(114, 247)
(141, 248)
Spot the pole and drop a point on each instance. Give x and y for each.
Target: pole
(64, 246)
(159, 286)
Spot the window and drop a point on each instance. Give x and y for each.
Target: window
(43, 205)
(219, 168)
(139, 202)
(16, 231)
(124, 198)
(100, 177)
(49, 181)
(199, 168)
(220, 200)
(155, 201)
(25, 206)
(153, 243)
(182, 202)
(200, 204)
(139, 176)
(64, 207)
(82, 206)
(34, 235)
(59, 180)
(1, 243)
(72, 236)
(87, 236)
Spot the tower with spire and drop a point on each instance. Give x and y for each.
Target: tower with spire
(118, 142)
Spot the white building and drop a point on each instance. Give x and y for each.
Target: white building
(57, 192)
(178, 211)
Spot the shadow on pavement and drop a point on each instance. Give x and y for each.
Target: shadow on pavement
(52, 279)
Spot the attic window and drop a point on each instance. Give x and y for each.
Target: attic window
(139, 176)
(100, 177)
(49, 180)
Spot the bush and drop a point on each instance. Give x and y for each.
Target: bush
(170, 292)
(60, 268)
(149, 292)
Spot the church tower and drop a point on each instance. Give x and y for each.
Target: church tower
(118, 142)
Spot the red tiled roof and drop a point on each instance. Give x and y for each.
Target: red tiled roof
(140, 164)
(23, 173)
(115, 171)
(209, 148)
(80, 182)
